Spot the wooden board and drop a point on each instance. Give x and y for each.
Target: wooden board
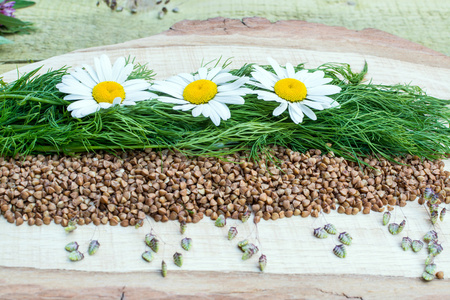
(391, 59)
(25, 284)
(423, 22)
(288, 243)
(214, 268)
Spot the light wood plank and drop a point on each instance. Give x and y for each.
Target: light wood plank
(24, 284)
(288, 243)
(65, 25)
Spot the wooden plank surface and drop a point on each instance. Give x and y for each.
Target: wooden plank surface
(423, 22)
(391, 59)
(288, 243)
(25, 284)
(214, 263)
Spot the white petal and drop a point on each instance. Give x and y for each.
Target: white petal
(266, 81)
(206, 110)
(317, 82)
(213, 73)
(290, 71)
(84, 77)
(301, 75)
(66, 79)
(281, 73)
(159, 82)
(312, 104)
(117, 101)
(152, 95)
(324, 90)
(118, 68)
(139, 96)
(105, 105)
(215, 118)
(257, 84)
(169, 88)
(186, 76)
(136, 84)
(236, 92)
(270, 75)
(82, 112)
(324, 100)
(229, 99)
(128, 103)
(297, 108)
(91, 73)
(269, 96)
(172, 100)
(105, 64)
(230, 93)
(202, 73)
(184, 107)
(313, 77)
(223, 77)
(178, 80)
(80, 104)
(280, 109)
(197, 111)
(78, 89)
(308, 112)
(72, 97)
(223, 70)
(232, 86)
(243, 91)
(296, 116)
(273, 77)
(221, 109)
(98, 69)
(126, 71)
(73, 83)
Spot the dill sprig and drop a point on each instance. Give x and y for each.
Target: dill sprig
(388, 121)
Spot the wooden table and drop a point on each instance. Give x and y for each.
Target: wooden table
(34, 264)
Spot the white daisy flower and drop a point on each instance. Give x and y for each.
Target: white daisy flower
(103, 87)
(297, 91)
(206, 93)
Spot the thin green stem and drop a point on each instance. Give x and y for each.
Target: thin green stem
(35, 99)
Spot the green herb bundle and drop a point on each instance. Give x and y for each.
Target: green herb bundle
(388, 121)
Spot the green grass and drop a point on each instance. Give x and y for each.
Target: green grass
(388, 121)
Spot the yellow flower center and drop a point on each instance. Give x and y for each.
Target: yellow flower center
(107, 91)
(200, 91)
(290, 89)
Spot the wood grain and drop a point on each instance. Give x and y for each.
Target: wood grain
(288, 243)
(183, 51)
(67, 25)
(308, 36)
(214, 269)
(24, 284)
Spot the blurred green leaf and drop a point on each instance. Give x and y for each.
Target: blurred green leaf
(4, 41)
(10, 22)
(23, 4)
